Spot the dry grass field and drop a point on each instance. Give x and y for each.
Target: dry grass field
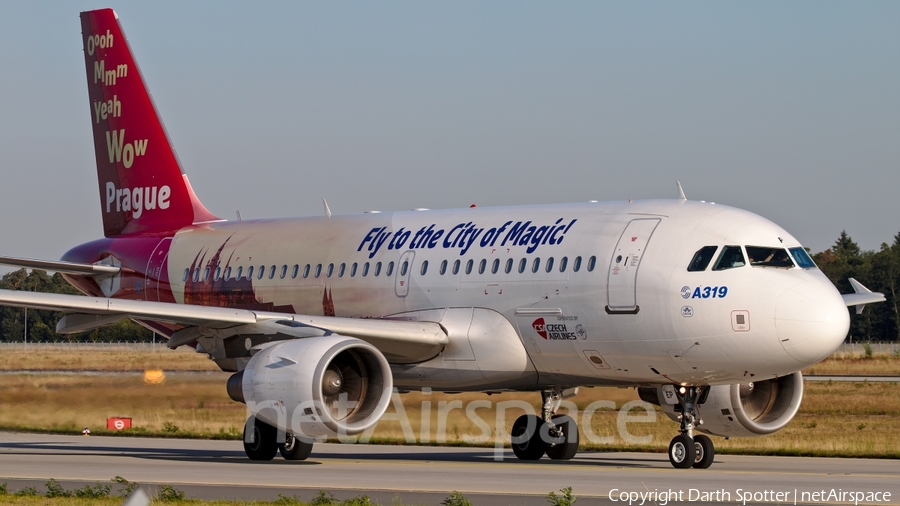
(117, 359)
(846, 419)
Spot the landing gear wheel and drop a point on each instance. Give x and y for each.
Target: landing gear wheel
(704, 452)
(568, 446)
(262, 445)
(526, 439)
(295, 448)
(682, 452)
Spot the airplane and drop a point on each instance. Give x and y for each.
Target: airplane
(708, 310)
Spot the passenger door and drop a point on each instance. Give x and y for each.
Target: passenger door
(624, 266)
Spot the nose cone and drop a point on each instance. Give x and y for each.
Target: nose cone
(811, 320)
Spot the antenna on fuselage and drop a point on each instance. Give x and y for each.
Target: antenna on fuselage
(681, 196)
(327, 210)
(238, 212)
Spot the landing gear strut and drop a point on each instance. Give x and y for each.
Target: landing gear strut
(687, 450)
(555, 435)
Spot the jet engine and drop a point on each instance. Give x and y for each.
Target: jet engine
(320, 386)
(741, 410)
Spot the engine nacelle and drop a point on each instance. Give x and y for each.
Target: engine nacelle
(321, 386)
(740, 410)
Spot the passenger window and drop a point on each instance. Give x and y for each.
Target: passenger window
(217, 274)
(206, 274)
(522, 264)
(469, 265)
(424, 267)
(377, 269)
(390, 269)
(283, 271)
(306, 271)
(576, 265)
(196, 274)
(295, 271)
(536, 265)
(318, 270)
(802, 258)
(187, 272)
(353, 269)
(731, 257)
(250, 272)
(341, 270)
(768, 257)
(496, 266)
(549, 264)
(272, 272)
(365, 269)
(562, 264)
(404, 267)
(261, 272)
(227, 273)
(592, 262)
(702, 258)
(443, 269)
(456, 267)
(481, 265)
(509, 265)
(329, 271)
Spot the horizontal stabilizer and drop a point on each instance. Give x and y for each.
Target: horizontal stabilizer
(62, 267)
(862, 296)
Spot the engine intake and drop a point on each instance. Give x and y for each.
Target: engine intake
(740, 410)
(322, 386)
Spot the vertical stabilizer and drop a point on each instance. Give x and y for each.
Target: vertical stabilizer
(142, 187)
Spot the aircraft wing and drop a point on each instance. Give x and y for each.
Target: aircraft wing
(397, 338)
(861, 297)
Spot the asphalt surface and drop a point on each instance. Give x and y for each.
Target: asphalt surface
(426, 475)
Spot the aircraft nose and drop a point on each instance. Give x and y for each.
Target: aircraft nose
(811, 320)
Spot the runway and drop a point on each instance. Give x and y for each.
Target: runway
(425, 475)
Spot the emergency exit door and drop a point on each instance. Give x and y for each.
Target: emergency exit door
(624, 266)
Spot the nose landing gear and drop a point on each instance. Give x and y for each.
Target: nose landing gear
(555, 435)
(687, 450)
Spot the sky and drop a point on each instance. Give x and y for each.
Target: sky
(787, 109)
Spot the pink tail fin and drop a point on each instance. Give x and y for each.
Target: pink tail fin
(142, 186)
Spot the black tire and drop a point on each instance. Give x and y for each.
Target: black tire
(568, 447)
(704, 452)
(526, 439)
(262, 445)
(295, 448)
(681, 452)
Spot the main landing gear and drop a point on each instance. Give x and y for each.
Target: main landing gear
(687, 450)
(261, 442)
(555, 435)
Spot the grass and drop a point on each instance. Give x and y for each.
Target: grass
(105, 360)
(835, 419)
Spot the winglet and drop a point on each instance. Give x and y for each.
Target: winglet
(327, 209)
(681, 196)
(861, 297)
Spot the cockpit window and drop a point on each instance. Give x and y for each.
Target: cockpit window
(802, 258)
(731, 257)
(761, 256)
(702, 258)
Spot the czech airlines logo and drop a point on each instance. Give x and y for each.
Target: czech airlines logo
(539, 327)
(553, 331)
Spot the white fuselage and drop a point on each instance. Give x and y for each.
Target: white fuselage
(631, 313)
